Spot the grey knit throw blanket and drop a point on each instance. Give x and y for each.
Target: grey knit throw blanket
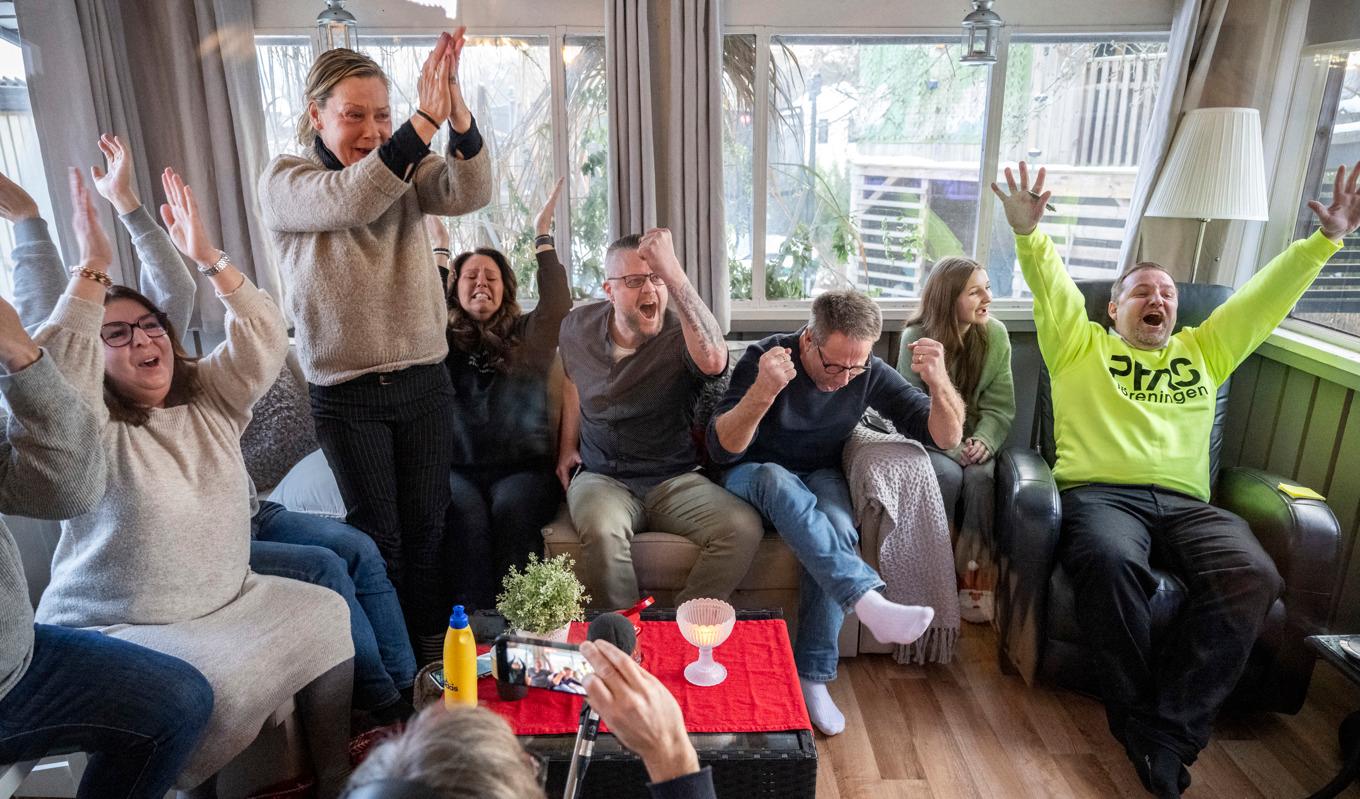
(897, 501)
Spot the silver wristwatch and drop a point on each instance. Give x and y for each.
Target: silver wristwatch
(221, 263)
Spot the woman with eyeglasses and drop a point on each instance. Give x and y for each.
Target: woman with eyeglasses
(502, 482)
(346, 217)
(955, 311)
(162, 559)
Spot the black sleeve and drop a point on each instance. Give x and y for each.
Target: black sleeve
(542, 324)
(403, 151)
(698, 785)
(743, 376)
(467, 143)
(905, 405)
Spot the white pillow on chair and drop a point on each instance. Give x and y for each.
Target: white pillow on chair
(309, 487)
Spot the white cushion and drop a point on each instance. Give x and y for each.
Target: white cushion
(309, 487)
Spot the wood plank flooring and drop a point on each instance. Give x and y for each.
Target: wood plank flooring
(967, 731)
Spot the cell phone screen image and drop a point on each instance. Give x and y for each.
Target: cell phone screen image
(541, 664)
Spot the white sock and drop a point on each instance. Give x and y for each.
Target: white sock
(890, 622)
(823, 712)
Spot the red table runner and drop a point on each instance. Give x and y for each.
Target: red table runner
(760, 693)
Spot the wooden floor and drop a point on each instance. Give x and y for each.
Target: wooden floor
(967, 730)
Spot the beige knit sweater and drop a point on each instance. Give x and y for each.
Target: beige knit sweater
(363, 290)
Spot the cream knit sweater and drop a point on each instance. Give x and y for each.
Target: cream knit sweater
(363, 289)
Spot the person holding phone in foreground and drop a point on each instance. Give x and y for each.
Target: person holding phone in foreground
(472, 752)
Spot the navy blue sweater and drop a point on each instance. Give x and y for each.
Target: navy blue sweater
(806, 428)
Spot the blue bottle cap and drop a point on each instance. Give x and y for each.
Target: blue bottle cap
(459, 619)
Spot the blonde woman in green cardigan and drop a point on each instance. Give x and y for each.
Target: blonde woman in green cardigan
(955, 311)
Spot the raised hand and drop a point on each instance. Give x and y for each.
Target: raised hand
(17, 349)
(432, 92)
(776, 370)
(16, 204)
(1342, 217)
(927, 360)
(543, 225)
(1024, 205)
(95, 250)
(658, 250)
(460, 117)
(115, 185)
(182, 219)
(435, 229)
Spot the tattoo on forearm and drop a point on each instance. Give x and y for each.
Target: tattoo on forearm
(697, 316)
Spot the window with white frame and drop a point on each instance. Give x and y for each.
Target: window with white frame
(507, 81)
(855, 160)
(1334, 298)
(20, 158)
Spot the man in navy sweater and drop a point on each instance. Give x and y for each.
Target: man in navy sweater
(791, 405)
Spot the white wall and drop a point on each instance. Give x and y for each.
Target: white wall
(945, 15)
(1333, 21)
(409, 16)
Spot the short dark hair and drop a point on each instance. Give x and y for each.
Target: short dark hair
(848, 312)
(623, 243)
(1117, 287)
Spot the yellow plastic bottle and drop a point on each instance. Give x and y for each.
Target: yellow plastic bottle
(460, 661)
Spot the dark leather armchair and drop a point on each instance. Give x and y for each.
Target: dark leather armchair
(1039, 634)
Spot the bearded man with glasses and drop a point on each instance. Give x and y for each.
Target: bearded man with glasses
(792, 404)
(627, 453)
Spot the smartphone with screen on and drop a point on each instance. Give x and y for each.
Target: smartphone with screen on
(540, 664)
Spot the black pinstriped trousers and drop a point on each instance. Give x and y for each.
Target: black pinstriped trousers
(388, 437)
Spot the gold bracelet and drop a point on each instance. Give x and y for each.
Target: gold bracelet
(101, 278)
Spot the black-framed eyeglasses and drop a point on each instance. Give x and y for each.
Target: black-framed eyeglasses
(119, 334)
(837, 368)
(636, 281)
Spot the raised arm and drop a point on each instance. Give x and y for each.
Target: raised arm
(554, 293)
(39, 275)
(1245, 319)
(1059, 310)
(703, 335)
(242, 368)
(569, 433)
(945, 420)
(163, 278)
(756, 383)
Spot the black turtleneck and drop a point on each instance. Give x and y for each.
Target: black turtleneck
(404, 150)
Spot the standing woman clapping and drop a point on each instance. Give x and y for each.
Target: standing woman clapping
(346, 219)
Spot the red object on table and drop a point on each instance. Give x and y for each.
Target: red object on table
(760, 693)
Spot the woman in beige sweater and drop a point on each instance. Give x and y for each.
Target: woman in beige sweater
(346, 218)
(162, 559)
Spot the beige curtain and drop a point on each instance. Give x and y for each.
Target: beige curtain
(178, 81)
(1194, 36)
(691, 186)
(632, 160)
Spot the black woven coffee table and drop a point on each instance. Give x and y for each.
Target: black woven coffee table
(746, 765)
(1329, 647)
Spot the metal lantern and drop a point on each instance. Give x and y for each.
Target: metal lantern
(981, 30)
(335, 27)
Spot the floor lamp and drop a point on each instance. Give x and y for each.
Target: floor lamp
(1215, 170)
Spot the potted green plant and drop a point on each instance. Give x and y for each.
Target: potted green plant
(543, 600)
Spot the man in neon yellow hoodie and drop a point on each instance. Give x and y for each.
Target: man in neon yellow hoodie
(1133, 408)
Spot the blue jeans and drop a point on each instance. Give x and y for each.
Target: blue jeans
(812, 513)
(330, 553)
(136, 712)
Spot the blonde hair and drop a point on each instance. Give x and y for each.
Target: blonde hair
(462, 753)
(327, 71)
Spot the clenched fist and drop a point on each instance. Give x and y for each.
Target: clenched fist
(927, 360)
(776, 371)
(658, 250)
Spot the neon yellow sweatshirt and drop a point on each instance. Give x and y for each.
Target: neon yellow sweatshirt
(1129, 416)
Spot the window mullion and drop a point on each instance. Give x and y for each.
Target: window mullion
(760, 138)
(991, 150)
(560, 141)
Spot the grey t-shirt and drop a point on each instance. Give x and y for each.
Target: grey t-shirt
(637, 414)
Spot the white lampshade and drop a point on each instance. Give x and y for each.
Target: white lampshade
(1215, 169)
